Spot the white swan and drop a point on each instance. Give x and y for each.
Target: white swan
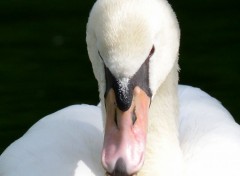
(152, 126)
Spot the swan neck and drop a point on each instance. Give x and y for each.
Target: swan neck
(163, 150)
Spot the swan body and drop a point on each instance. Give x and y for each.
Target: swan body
(208, 135)
(147, 124)
(65, 143)
(68, 142)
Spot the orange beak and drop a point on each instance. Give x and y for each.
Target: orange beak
(125, 134)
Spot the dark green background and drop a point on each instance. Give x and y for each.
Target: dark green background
(44, 64)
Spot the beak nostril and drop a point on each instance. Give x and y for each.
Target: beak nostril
(115, 118)
(134, 116)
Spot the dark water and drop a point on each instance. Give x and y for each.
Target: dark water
(44, 64)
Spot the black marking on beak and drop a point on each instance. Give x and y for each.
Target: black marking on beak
(120, 168)
(124, 95)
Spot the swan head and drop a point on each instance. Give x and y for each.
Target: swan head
(132, 45)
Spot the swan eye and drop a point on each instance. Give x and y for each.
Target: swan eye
(100, 55)
(151, 52)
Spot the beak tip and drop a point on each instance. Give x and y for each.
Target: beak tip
(120, 169)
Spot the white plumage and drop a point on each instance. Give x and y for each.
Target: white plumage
(189, 132)
(209, 136)
(62, 144)
(68, 142)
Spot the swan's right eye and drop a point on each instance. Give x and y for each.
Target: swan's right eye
(151, 52)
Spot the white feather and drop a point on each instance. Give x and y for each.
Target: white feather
(189, 132)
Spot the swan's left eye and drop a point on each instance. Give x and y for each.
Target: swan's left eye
(151, 52)
(100, 55)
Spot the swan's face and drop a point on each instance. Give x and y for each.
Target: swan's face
(132, 44)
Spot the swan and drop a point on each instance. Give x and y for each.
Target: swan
(146, 124)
